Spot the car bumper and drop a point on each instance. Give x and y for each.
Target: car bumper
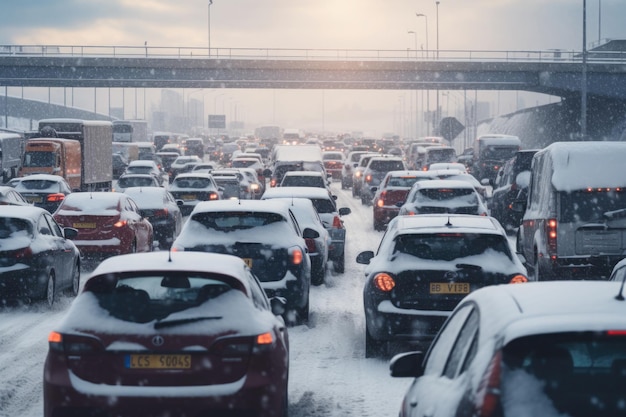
(383, 215)
(337, 243)
(22, 281)
(386, 322)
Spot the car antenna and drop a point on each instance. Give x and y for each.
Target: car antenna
(449, 223)
(169, 255)
(620, 295)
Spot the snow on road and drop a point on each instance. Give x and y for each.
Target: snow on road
(329, 375)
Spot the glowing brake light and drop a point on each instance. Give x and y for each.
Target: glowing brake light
(120, 223)
(551, 234)
(518, 279)
(616, 332)
(488, 395)
(337, 224)
(55, 337)
(384, 282)
(297, 256)
(265, 339)
(55, 198)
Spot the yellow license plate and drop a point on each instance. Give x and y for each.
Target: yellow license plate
(248, 262)
(189, 197)
(84, 225)
(449, 288)
(34, 199)
(158, 361)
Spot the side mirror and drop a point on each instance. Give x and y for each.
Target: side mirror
(407, 365)
(70, 232)
(309, 233)
(364, 257)
(486, 181)
(344, 211)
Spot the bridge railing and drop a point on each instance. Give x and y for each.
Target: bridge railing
(167, 52)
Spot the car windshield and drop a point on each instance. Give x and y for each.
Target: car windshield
(447, 195)
(449, 246)
(229, 221)
(499, 153)
(573, 370)
(38, 185)
(126, 182)
(404, 182)
(192, 182)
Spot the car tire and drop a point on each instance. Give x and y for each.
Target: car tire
(537, 269)
(50, 294)
(339, 264)
(133, 246)
(373, 348)
(302, 314)
(317, 276)
(75, 284)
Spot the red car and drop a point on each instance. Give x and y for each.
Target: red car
(333, 162)
(169, 334)
(107, 223)
(392, 193)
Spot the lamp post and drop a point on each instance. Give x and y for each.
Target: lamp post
(426, 18)
(599, 21)
(415, 36)
(437, 109)
(583, 92)
(209, 25)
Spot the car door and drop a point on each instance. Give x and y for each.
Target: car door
(141, 225)
(59, 252)
(437, 392)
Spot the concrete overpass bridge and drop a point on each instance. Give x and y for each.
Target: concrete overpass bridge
(555, 72)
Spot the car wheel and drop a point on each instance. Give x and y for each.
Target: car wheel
(537, 268)
(317, 276)
(339, 264)
(73, 290)
(303, 314)
(133, 247)
(50, 294)
(373, 348)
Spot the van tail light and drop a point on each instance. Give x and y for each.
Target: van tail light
(310, 245)
(380, 202)
(551, 234)
(296, 256)
(384, 282)
(55, 198)
(488, 394)
(120, 223)
(337, 223)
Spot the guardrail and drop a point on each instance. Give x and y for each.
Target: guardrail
(165, 52)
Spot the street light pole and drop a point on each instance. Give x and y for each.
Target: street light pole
(415, 36)
(209, 25)
(583, 103)
(437, 109)
(427, 90)
(437, 3)
(425, 18)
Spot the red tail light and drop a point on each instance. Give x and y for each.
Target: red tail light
(120, 223)
(310, 245)
(384, 282)
(551, 234)
(214, 196)
(23, 253)
(368, 178)
(337, 224)
(55, 198)
(518, 279)
(488, 395)
(161, 213)
(73, 344)
(296, 256)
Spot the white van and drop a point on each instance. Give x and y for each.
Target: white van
(574, 223)
(491, 152)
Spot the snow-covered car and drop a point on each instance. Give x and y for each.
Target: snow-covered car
(135, 180)
(11, 197)
(266, 235)
(333, 162)
(422, 269)
(183, 164)
(349, 163)
(540, 349)
(108, 224)
(43, 190)
(443, 196)
(308, 217)
(374, 173)
(169, 334)
(162, 211)
(140, 166)
(37, 257)
(304, 179)
(192, 188)
(392, 193)
(326, 206)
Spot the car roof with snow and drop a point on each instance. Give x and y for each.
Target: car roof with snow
(267, 206)
(175, 261)
(303, 192)
(457, 223)
(432, 184)
(513, 311)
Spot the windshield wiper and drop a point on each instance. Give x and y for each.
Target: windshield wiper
(178, 322)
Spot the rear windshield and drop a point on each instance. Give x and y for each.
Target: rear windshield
(449, 246)
(135, 182)
(386, 166)
(139, 170)
(499, 153)
(9, 226)
(38, 185)
(577, 374)
(441, 155)
(591, 206)
(145, 298)
(403, 181)
(228, 221)
(304, 181)
(323, 206)
(192, 182)
(429, 195)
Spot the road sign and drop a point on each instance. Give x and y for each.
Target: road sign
(450, 127)
(217, 121)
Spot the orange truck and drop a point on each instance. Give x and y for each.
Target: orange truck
(53, 156)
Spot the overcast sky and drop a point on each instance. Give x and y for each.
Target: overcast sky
(337, 24)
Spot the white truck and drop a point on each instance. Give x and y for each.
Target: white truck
(96, 139)
(11, 150)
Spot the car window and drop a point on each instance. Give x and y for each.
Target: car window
(13, 227)
(437, 357)
(462, 344)
(449, 246)
(54, 227)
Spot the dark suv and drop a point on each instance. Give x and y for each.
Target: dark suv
(511, 184)
(374, 173)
